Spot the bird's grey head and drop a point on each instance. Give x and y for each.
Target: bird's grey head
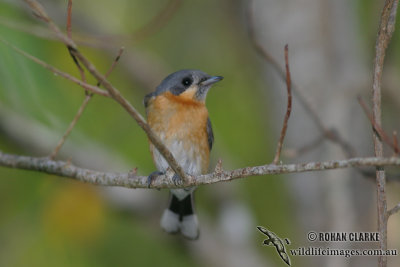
(193, 82)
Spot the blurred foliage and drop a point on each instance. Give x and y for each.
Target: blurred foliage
(47, 221)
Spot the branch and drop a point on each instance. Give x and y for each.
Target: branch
(131, 180)
(114, 93)
(289, 107)
(386, 29)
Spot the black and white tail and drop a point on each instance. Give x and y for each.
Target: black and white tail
(180, 216)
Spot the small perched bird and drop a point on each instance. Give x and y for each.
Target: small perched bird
(176, 112)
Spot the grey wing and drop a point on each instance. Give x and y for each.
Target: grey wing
(210, 134)
(147, 98)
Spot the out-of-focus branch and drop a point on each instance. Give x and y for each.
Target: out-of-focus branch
(378, 128)
(331, 134)
(158, 21)
(288, 109)
(395, 143)
(131, 180)
(386, 29)
(114, 93)
(58, 72)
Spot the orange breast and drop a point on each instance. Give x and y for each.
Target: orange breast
(183, 121)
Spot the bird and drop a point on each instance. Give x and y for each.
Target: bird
(177, 114)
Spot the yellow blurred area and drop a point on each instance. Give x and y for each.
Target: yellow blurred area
(74, 212)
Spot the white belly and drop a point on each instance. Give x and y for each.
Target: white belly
(188, 159)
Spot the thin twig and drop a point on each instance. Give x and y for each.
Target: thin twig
(115, 94)
(69, 19)
(58, 72)
(386, 29)
(393, 210)
(117, 58)
(70, 127)
(130, 180)
(377, 127)
(332, 135)
(288, 109)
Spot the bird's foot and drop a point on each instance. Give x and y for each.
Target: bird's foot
(153, 176)
(177, 180)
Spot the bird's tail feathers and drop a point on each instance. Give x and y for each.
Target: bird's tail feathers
(180, 216)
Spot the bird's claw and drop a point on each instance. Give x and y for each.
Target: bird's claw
(177, 180)
(152, 176)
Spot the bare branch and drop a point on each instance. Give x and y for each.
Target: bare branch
(288, 109)
(386, 29)
(121, 50)
(130, 180)
(69, 18)
(115, 94)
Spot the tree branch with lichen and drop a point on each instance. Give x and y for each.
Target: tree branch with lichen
(131, 180)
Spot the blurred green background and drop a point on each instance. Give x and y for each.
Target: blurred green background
(52, 221)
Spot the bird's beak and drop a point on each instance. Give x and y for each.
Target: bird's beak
(211, 80)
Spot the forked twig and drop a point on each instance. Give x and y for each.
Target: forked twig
(288, 109)
(82, 108)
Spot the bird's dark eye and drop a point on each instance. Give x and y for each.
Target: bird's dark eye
(187, 81)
